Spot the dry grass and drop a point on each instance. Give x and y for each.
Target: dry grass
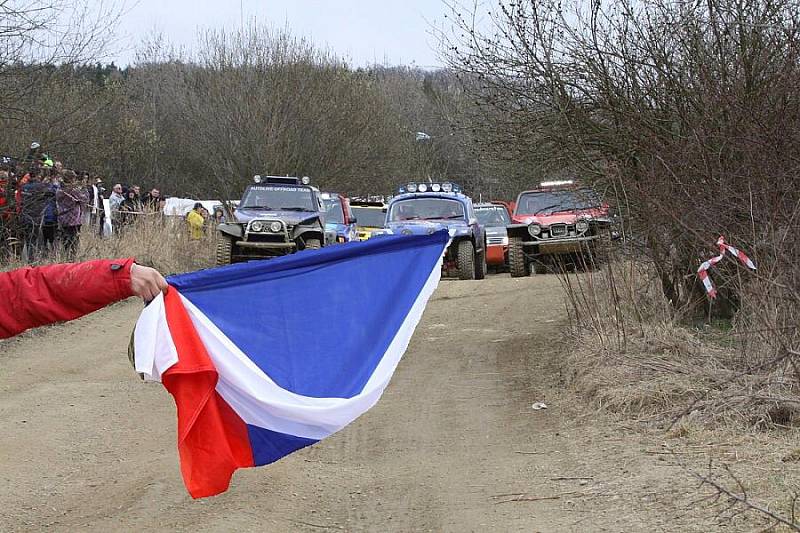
(721, 398)
(154, 241)
(633, 357)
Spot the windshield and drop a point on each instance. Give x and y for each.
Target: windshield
(333, 210)
(426, 209)
(492, 216)
(371, 217)
(548, 202)
(277, 197)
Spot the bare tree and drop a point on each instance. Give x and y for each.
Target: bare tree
(37, 37)
(690, 108)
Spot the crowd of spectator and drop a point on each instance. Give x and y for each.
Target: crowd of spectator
(44, 205)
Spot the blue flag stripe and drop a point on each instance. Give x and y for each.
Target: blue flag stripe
(281, 319)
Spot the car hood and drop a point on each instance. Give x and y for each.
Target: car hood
(564, 217)
(290, 217)
(456, 228)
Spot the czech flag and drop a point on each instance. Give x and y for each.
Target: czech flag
(267, 357)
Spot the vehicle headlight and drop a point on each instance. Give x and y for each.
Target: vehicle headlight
(436, 187)
(411, 187)
(275, 227)
(406, 232)
(422, 187)
(447, 187)
(256, 226)
(582, 226)
(535, 230)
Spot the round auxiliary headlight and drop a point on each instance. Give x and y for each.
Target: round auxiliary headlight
(275, 227)
(582, 226)
(256, 226)
(305, 180)
(422, 187)
(535, 230)
(257, 178)
(411, 187)
(406, 232)
(436, 187)
(447, 187)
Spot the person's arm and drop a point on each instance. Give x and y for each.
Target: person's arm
(36, 296)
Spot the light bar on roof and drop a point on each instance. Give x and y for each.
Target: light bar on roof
(556, 183)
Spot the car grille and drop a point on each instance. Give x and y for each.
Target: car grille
(495, 240)
(558, 230)
(266, 237)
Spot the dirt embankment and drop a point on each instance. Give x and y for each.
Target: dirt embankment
(453, 445)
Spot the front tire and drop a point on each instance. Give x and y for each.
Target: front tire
(466, 260)
(224, 250)
(517, 264)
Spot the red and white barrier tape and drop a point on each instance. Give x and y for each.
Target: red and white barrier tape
(702, 272)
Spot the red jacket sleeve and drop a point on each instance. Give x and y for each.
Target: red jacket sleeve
(35, 296)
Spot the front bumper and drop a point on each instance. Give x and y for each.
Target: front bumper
(566, 245)
(267, 245)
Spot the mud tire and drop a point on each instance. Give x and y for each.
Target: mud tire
(517, 265)
(224, 250)
(312, 244)
(481, 268)
(466, 260)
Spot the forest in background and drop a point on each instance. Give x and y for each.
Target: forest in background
(253, 101)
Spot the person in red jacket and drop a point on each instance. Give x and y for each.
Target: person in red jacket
(36, 296)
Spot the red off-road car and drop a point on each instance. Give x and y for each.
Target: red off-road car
(557, 221)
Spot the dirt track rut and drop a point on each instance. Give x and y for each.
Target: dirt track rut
(87, 446)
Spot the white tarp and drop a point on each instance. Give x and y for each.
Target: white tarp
(182, 206)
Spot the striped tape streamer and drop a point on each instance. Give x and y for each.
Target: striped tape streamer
(702, 272)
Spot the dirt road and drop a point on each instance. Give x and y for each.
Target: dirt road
(87, 446)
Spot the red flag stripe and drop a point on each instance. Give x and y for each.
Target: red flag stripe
(212, 439)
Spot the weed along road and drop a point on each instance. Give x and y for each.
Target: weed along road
(453, 445)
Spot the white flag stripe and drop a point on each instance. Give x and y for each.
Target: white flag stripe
(155, 351)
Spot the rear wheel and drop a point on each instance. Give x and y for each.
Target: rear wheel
(517, 264)
(466, 260)
(224, 250)
(312, 244)
(481, 268)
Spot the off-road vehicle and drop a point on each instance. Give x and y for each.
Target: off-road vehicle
(495, 218)
(276, 216)
(339, 218)
(557, 221)
(370, 215)
(428, 207)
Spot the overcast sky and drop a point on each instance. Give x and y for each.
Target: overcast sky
(364, 31)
